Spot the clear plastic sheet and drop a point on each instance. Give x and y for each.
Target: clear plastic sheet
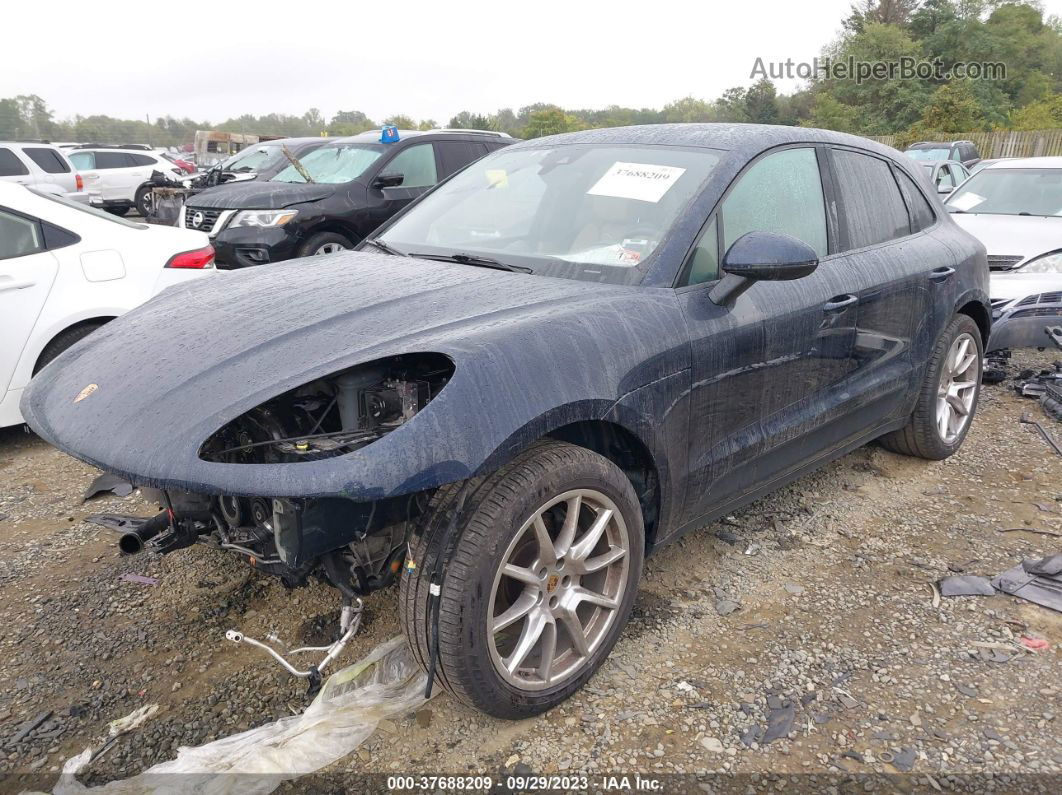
(346, 711)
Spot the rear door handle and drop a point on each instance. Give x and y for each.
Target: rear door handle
(839, 303)
(941, 274)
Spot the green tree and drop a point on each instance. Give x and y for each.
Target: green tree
(831, 114)
(952, 108)
(761, 102)
(550, 121)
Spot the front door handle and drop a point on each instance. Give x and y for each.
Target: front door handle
(7, 285)
(939, 275)
(839, 303)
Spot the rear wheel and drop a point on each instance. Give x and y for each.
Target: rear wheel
(540, 577)
(324, 243)
(948, 397)
(118, 209)
(62, 341)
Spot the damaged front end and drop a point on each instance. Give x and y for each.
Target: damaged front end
(357, 546)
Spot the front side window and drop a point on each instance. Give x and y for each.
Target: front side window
(417, 166)
(590, 212)
(779, 193)
(11, 165)
(1010, 191)
(874, 211)
(49, 160)
(18, 236)
(334, 164)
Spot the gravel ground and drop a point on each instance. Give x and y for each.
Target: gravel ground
(797, 636)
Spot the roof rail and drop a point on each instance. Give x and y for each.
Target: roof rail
(135, 147)
(29, 141)
(495, 133)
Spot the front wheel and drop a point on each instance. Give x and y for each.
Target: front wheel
(541, 572)
(324, 243)
(947, 400)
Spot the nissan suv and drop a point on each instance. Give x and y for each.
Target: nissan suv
(330, 199)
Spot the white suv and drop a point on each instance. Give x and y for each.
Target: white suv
(41, 167)
(120, 179)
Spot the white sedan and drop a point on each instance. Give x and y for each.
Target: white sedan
(67, 269)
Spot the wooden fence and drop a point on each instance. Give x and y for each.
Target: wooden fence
(1003, 143)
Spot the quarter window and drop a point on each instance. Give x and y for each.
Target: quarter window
(922, 215)
(10, 165)
(416, 164)
(143, 160)
(874, 211)
(704, 264)
(49, 160)
(18, 236)
(780, 193)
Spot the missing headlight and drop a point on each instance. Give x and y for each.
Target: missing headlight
(334, 415)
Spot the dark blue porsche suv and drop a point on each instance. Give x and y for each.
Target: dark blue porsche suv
(569, 353)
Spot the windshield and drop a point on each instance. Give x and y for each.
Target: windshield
(334, 164)
(253, 158)
(588, 212)
(940, 153)
(1010, 191)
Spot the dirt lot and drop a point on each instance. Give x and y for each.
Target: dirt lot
(813, 604)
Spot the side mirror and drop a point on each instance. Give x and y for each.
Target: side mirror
(766, 256)
(388, 180)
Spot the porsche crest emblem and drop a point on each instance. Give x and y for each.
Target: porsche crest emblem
(84, 393)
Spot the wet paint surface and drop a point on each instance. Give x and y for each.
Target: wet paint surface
(725, 399)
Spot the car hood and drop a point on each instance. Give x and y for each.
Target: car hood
(1013, 235)
(1015, 286)
(260, 195)
(139, 396)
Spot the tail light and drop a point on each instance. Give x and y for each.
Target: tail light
(199, 258)
(80, 183)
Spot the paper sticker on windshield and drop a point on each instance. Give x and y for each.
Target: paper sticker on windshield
(641, 181)
(967, 201)
(497, 178)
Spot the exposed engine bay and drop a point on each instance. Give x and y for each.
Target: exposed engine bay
(357, 547)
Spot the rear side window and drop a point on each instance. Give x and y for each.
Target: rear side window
(780, 193)
(922, 215)
(18, 236)
(873, 210)
(48, 159)
(143, 160)
(83, 161)
(113, 160)
(455, 155)
(10, 165)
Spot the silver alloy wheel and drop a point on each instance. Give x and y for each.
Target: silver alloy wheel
(958, 388)
(329, 248)
(558, 590)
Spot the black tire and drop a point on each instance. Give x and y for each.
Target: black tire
(143, 201)
(63, 340)
(314, 242)
(495, 509)
(920, 437)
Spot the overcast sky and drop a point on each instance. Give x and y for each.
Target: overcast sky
(212, 61)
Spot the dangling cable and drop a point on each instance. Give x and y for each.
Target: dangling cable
(435, 588)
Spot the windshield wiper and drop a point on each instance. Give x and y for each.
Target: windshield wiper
(384, 247)
(472, 259)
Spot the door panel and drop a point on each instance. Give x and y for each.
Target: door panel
(26, 276)
(419, 164)
(767, 370)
